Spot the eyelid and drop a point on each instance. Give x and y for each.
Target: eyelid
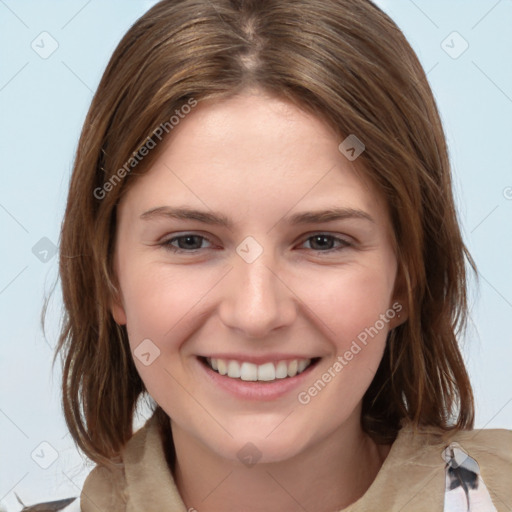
(344, 243)
(166, 240)
(338, 236)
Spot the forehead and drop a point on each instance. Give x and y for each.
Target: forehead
(250, 153)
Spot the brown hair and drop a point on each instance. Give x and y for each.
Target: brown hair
(346, 62)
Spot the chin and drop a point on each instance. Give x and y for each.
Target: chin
(262, 443)
(259, 451)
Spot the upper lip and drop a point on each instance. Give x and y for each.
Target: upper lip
(258, 359)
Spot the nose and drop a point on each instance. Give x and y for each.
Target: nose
(256, 300)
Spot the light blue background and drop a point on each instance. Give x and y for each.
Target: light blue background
(43, 103)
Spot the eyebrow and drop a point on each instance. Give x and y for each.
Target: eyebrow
(214, 218)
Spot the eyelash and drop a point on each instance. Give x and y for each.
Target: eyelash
(167, 243)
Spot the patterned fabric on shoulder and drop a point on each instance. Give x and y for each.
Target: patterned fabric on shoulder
(465, 489)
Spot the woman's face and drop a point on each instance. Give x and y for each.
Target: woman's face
(280, 261)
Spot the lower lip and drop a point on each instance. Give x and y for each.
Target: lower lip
(256, 390)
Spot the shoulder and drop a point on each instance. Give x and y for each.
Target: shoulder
(143, 480)
(417, 476)
(106, 489)
(495, 443)
(465, 457)
(491, 448)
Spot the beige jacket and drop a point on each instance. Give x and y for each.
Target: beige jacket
(414, 476)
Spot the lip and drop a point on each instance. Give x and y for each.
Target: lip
(255, 390)
(260, 359)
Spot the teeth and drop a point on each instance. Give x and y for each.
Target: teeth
(302, 365)
(233, 369)
(267, 371)
(248, 371)
(281, 370)
(263, 372)
(222, 366)
(293, 368)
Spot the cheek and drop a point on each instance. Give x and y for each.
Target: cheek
(161, 305)
(156, 299)
(167, 305)
(355, 306)
(352, 300)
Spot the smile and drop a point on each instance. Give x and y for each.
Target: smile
(266, 372)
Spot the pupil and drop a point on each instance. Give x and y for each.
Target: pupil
(189, 240)
(321, 238)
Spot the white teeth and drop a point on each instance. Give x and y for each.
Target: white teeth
(267, 371)
(263, 372)
(281, 370)
(293, 366)
(233, 369)
(222, 366)
(302, 365)
(248, 371)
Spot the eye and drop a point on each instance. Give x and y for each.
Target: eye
(323, 242)
(188, 242)
(191, 243)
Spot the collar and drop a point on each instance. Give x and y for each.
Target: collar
(411, 477)
(150, 485)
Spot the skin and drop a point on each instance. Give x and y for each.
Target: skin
(257, 159)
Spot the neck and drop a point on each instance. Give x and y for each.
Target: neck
(329, 475)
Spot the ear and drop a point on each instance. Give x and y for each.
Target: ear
(116, 305)
(401, 313)
(117, 309)
(400, 302)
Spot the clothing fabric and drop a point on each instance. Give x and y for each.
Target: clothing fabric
(425, 471)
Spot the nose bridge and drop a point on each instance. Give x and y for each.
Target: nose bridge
(255, 300)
